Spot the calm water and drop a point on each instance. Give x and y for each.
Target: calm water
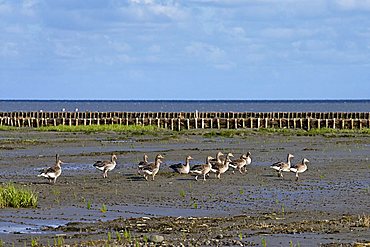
(188, 106)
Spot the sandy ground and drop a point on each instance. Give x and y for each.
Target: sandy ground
(328, 206)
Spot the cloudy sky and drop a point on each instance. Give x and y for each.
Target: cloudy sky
(189, 49)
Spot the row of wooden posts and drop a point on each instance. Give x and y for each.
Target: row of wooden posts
(193, 120)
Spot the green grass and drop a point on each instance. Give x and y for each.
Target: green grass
(103, 208)
(15, 197)
(209, 133)
(133, 129)
(287, 132)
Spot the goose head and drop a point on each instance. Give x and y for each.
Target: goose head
(145, 157)
(189, 158)
(290, 156)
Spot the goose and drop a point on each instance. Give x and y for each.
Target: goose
(151, 169)
(218, 159)
(241, 163)
(106, 165)
(203, 169)
(142, 163)
(223, 166)
(52, 173)
(182, 168)
(282, 166)
(299, 168)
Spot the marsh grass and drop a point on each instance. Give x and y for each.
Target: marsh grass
(132, 129)
(327, 132)
(363, 221)
(15, 197)
(103, 208)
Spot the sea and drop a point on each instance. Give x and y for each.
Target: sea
(186, 105)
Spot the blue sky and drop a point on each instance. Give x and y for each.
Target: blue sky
(193, 49)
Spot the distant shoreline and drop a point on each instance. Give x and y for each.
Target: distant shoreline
(190, 100)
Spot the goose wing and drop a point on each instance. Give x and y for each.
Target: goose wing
(176, 167)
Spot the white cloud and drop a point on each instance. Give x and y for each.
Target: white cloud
(211, 54)
(147, 9)
(5, 8)
(8, 50)
(208, 52)
(354, 4)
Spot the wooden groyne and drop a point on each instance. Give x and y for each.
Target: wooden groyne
(193, 120)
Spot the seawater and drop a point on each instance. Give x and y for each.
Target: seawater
(187, 105)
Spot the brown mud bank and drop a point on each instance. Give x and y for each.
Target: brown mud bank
(328, 206)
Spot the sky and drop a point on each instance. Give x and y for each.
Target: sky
(189, 49)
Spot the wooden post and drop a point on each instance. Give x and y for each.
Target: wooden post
(178, 124)
(266, 123)
(235, 123)
(251, 119)
(334, 123)
(211, 123)
(227, 123)
(218, 124)
(172, 124)
(202, 123)
(188, 123)
(196, 122)
(309, 120)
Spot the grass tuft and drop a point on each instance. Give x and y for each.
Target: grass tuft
(11, 196)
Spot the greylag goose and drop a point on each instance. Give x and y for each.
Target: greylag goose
(281, 166)
(223, 166)
(106, 165)
(151, 169)
(52, 173)
(182, 168)
(203, 169)
(142, 163)
(218, 159)
(299, 168)
(241, 163)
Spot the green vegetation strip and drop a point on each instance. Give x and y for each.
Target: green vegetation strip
(154, 130)
(15, 197)
(128, 129)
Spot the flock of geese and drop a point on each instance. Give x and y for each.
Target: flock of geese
(218, 165)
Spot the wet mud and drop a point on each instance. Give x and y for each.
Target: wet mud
(328, 206)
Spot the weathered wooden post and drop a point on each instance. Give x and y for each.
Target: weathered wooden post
(218, 123)
(308, 123)
(188, 123)
(179, 124)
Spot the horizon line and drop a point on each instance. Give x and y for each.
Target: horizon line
(181, 100)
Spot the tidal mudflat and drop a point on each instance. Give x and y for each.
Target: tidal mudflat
(328, 206)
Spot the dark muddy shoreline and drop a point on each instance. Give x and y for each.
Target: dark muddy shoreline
(326, 206)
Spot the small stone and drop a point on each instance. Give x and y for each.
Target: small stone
(156, 238)
(220, 236)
